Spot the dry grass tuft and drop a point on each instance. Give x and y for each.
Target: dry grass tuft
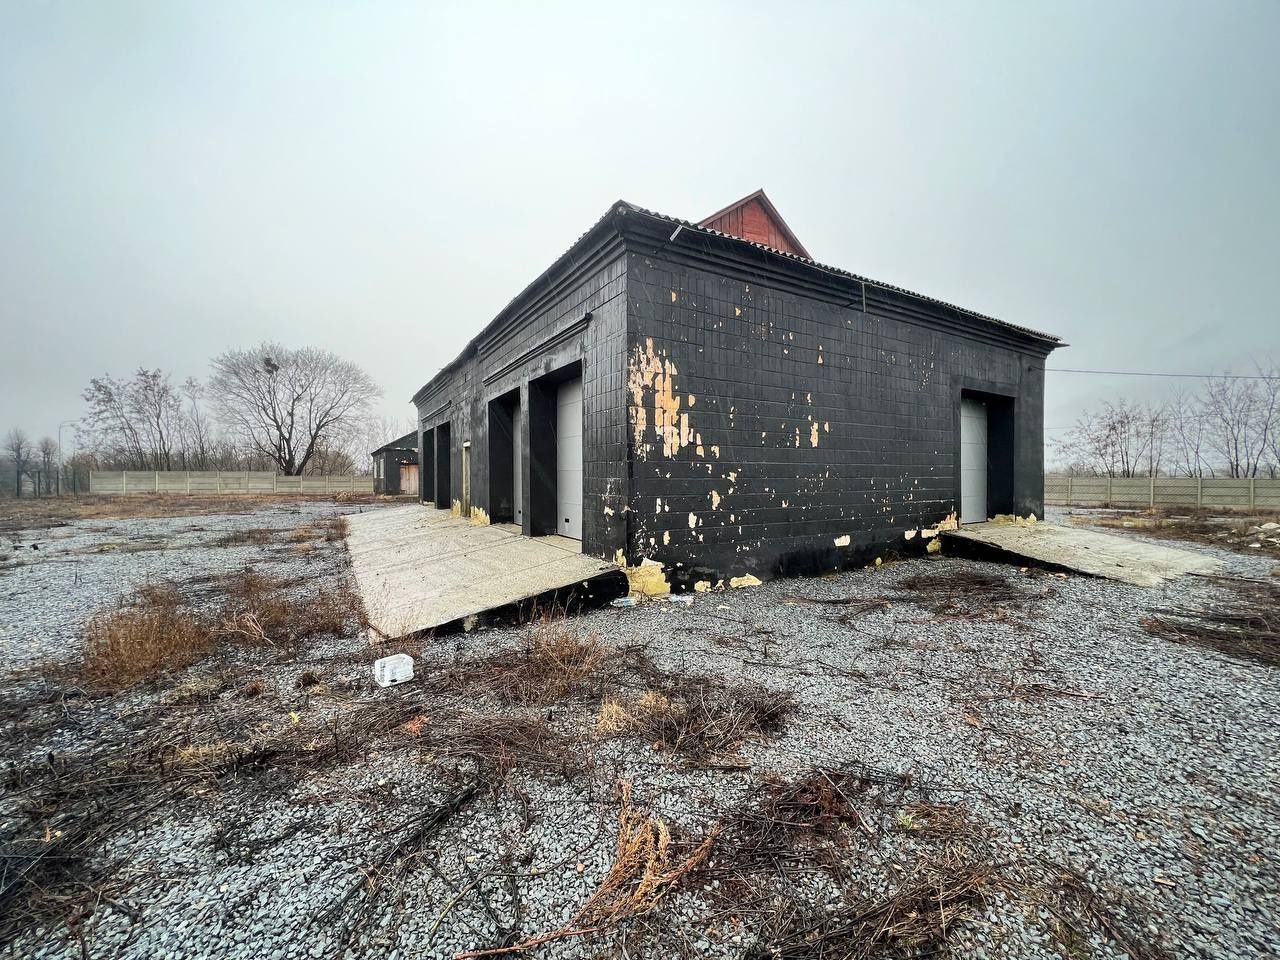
(555, 664)
(645, 867)
(259, 613)
(138, 642)
(696, 716)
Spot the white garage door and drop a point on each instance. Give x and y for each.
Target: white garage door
(973, 461)
(517, 474)
(569, 460)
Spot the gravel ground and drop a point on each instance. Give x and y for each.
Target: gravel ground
(1069, 734)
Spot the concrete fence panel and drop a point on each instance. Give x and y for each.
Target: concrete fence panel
(219, 481)
(1248, 493)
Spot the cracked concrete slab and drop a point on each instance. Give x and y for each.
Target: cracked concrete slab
(418, 567)
(1124, 558)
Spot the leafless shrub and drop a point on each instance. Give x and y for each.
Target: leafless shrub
(1245, 624)
(247, 537)
(912, 921)
(137, 642)
(499, 743)
(555, 663)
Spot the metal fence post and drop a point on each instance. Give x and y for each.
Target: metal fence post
(1153, 490)
(157, 487)
(1252, 496)
(1069, 500)
(188, 483)
(124, 481)
(1108, 490)
(275, 482)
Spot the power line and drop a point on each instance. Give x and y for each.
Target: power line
(1149, 373)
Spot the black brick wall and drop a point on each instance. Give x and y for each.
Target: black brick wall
(541, 340)
(757, 367)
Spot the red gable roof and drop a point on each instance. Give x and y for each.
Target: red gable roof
(755, 218)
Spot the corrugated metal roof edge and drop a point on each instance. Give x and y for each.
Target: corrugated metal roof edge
(690, 225)
(399, 443)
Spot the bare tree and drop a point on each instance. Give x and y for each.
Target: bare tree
(1187, 427)
(18, 446)
(137, 420)
(197, 429)
(1241, 417)
(48, 461)
(285, 404)
(1122, 439)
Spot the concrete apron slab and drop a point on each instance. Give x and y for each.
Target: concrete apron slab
(1113, 556)
(418, 567)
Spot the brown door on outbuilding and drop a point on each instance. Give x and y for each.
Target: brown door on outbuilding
(409, 478)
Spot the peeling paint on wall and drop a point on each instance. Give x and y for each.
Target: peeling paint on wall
(842, 541)
(715, 500)
(652, 376)
(693, 520)
(746, 580)
(478, 517)
(456, 508)
(813, 434)
(647, 578)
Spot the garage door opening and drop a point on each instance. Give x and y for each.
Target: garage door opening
(555, 432)
(569, 459)
(505, 488)
(427, 471)
(986, 456)
(443, 467)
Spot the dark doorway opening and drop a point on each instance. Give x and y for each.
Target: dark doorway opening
(443, 467)
(544, 413)
(427, 472)
(504, 459)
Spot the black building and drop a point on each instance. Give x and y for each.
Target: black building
(395, 466)
(707, 396)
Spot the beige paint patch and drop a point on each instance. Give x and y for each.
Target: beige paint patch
(666, 538)
(820, 353)
(478, 517)
(673, 296)
(935, 546)
(456, 508)
(949, 522)
(702, 586)
(651, 377)
(715, 500)
(715, 451)
(843, 541)
(813, 435)
(746, 580)
(910, 534)
(693, 520)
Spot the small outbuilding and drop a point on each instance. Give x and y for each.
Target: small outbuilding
(707, 397)
(395, 467)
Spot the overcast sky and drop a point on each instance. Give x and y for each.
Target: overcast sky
(380, 179)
